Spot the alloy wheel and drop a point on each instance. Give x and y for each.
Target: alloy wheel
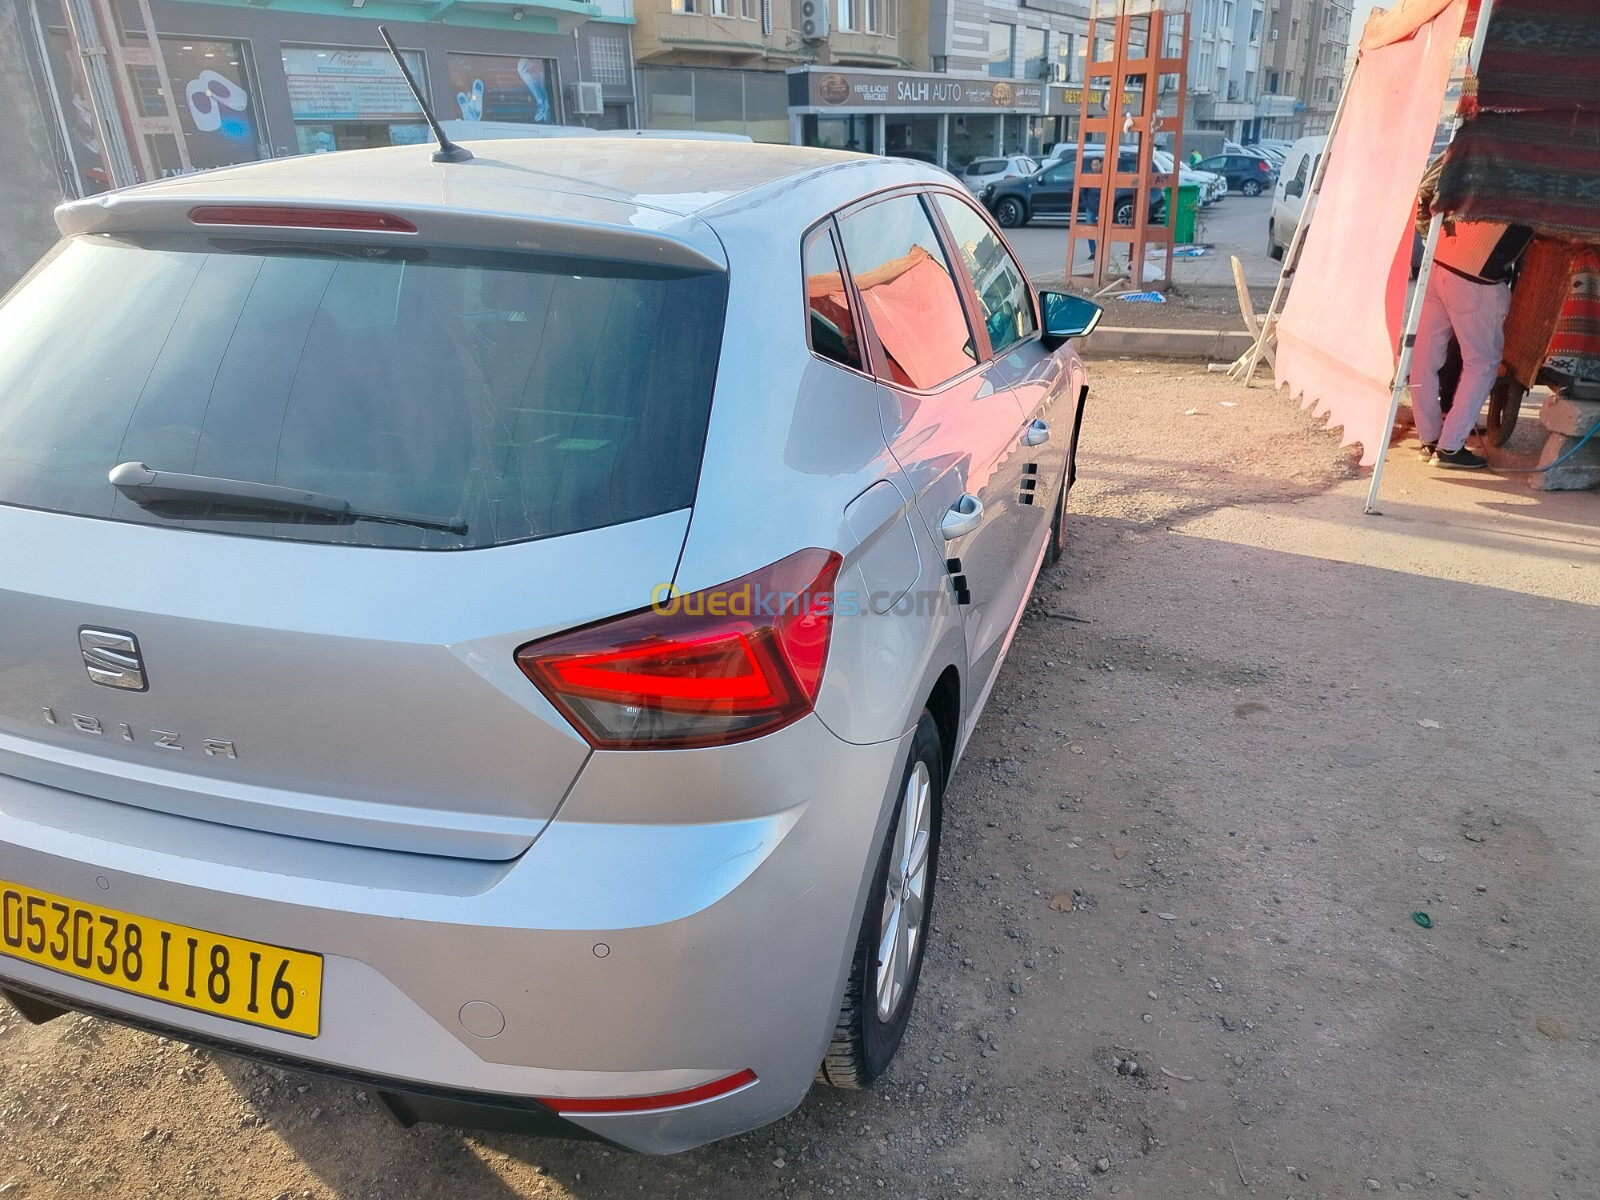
(905, 893)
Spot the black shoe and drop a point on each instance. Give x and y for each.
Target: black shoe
(1427, 450)
(1461, 460)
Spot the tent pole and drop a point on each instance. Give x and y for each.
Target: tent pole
(1292, 254)
(1402, 373)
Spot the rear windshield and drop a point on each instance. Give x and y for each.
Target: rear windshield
(523, 398)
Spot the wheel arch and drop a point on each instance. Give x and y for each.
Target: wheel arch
(944, 705)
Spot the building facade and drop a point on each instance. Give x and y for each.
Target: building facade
(1267, 68)
(948, 80)
(143, 90)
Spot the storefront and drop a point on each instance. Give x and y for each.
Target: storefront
(256, 82)
(945, 119)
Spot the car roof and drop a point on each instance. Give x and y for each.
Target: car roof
(598, 196)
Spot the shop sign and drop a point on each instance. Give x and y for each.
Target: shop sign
(890, 90)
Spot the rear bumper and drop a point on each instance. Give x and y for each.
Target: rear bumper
(628, 956)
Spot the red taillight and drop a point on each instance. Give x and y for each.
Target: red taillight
(716, 666)
(569, 1105)
(278, 217)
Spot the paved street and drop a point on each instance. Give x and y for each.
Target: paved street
(1234, 225)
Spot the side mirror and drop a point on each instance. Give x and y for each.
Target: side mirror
(1295, 188)
(1067, 317)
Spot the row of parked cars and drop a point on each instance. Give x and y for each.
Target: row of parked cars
(1018, 188)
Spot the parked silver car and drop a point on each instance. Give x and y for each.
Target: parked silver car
(499, 631)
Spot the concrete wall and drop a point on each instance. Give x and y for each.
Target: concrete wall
(29, 185)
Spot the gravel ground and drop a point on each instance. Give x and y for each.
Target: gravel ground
(1241, 738)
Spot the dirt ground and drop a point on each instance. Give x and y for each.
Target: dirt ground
(1245, 733)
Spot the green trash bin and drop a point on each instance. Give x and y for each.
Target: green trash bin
(1187, 208)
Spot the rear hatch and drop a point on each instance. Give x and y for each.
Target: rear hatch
(521, 438)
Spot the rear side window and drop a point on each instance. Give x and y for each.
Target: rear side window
(1002, 288)
(987, 166)
(832, 328)
(524, 399)
(904, 280)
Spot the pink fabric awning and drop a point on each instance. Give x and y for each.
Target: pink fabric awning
(1336, 340)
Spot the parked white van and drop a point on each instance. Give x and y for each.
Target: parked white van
(1289, 197)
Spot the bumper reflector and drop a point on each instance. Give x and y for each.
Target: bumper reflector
(601, 1105)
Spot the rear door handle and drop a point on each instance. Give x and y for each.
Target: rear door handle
(964, 516)
(1038, 434)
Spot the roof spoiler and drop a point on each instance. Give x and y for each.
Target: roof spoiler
(149, 212)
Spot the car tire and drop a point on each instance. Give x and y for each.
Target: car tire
(1011, 213)
(1250, 187)
(1123, 214)
(877, 1006)
(1274, 251)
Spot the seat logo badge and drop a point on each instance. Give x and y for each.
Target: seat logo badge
(112, 658)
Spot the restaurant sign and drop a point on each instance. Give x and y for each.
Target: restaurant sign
(894, 91)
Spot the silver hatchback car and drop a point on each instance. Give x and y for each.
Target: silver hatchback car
(499, 631)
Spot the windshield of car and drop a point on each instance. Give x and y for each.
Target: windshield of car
(525, 398)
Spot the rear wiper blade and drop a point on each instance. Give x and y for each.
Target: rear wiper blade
(157, 488)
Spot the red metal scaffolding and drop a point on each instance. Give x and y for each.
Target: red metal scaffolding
(1134, 90)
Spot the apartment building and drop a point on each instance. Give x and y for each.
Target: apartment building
(1327, 57)
(1267, 68)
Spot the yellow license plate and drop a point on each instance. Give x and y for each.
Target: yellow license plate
(208, 972)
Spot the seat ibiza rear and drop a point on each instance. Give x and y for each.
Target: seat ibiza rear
(498, 631)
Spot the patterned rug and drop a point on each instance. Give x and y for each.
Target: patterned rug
(1531, 155)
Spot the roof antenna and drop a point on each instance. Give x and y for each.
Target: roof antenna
(448, 151)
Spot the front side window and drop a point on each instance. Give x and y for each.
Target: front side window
(1001, 286)
(514, 396)
(904, 279)
(832, 329)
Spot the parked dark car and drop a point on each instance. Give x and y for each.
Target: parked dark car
(1248, 174)
(1048, 193)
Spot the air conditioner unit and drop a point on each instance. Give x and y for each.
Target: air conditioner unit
(1274, 36)
(586, 99)
(814, 20)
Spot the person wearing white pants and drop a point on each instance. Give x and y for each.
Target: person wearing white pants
(1475, 311)
(1469, 294)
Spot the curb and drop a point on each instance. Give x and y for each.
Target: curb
(1209, 345)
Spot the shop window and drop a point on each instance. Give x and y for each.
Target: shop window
(344, 99)
(905, 282)
(1001, 286)
(216, 108)
(831, 327)
(492, 87)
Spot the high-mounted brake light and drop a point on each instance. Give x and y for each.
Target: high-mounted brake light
(279, 217)
(716, 666)
(717, 1088)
